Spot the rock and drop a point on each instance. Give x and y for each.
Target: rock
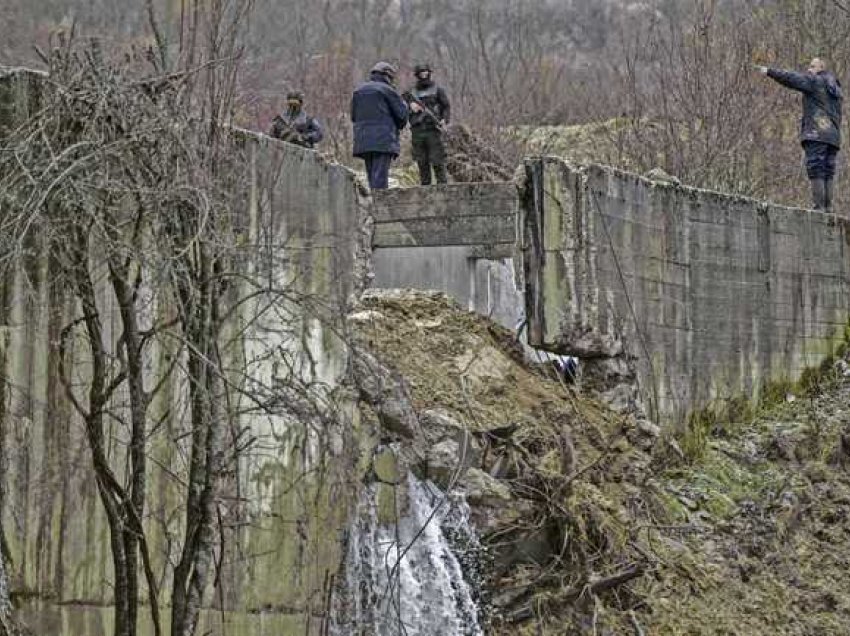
(385, 466)
(621, 398)
(448, 458)
(438, 424)
(366, 316)
(482, 364)
(504, 515)
(387, 394)
(648, 428)
(588, 344)
(674, 446)
(482, 489)
(607, 370)
(451, 447)
(614, 381)
(428, 324)
(785, 444)
(644, 434)
(662, 176)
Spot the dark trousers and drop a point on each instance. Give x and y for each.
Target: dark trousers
(429, 151)
(820, 159)
(378, 169)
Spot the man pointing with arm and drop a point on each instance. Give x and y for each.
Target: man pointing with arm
(820, 125)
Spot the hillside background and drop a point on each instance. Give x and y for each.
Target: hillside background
(661, 83)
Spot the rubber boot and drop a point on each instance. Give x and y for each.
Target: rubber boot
(827, 195)
(440, 173)
(424, 172)
(818, 194)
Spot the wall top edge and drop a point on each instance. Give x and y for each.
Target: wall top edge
(587, 170)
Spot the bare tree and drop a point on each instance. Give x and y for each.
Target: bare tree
(118, 182)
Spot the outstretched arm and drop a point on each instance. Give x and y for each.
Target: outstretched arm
(803, 82)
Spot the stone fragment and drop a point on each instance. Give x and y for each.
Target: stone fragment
(366, 316)
(659, 175)
(437, 424)
(387, 394)
(482, 489)
(386, 467)
(644, 434)
(450, 458)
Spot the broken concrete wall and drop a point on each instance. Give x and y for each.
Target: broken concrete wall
(299, 227)
(712, 296)
(456, 238)
(20, 93)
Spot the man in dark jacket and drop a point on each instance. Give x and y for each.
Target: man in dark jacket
(431, 113)
(294, 125)
(378, 113)
(820, 126)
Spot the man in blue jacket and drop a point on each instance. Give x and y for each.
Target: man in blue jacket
(820, 125)
(378, 113)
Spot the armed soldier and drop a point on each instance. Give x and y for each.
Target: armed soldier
(294, 125)
(820, 125)
(430, 114)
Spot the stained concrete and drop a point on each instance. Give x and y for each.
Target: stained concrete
(712, 296)
(298, 223)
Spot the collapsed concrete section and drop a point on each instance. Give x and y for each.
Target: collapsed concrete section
(711, 297)
(456, 238)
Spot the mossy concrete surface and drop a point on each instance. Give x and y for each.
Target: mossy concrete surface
(297, 225)
(713, 296)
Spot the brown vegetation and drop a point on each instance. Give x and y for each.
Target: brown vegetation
(676, 77)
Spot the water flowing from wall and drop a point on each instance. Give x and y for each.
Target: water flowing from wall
(407, 578)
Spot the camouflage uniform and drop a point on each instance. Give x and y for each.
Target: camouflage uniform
(428, 147)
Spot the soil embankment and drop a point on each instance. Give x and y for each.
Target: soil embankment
(595, 522)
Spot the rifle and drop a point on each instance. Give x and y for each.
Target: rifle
(285, 131)
(409, 96)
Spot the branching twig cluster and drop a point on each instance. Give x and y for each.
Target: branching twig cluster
(132, 202)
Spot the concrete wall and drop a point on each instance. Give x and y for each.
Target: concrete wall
(458, 239)
(712, 295)
(298, 223)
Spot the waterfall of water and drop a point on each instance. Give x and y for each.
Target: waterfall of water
(405, 579)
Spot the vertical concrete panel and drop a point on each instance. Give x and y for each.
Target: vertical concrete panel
(712, 295)
(300, 221)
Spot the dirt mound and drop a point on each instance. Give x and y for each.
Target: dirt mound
(594, 523)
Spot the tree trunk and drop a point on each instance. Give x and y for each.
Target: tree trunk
(111, 493)
(199, 299)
